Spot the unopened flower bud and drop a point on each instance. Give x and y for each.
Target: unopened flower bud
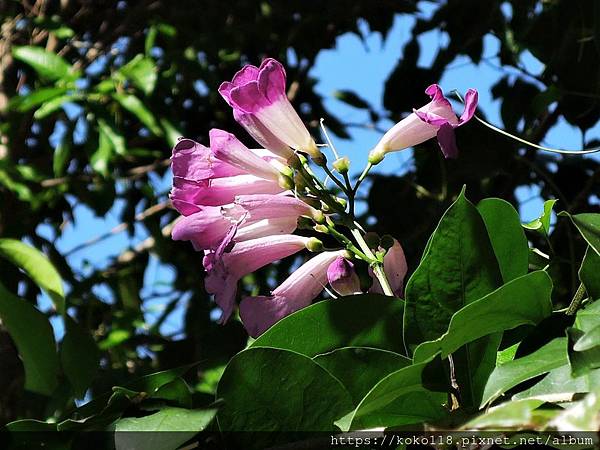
(376, 156)
(314, 245)
(286, 170)
(342, 165)
(319, 217)
(321, 229)
(285, 182)
(342, 202)
(342, 277)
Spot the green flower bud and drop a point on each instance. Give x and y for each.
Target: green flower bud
(342, 202)
(287, 171)
(321, 229)
(285, 182)
(319, 217)
(376, 156)
(314, 245)
(342, 165)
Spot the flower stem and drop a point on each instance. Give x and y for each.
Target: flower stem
(577, 299)
(378, 270)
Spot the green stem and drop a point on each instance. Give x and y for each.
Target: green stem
(577, 299)
(377, 265)
(362, 176)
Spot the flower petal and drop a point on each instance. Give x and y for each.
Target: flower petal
(471, 99)
(447, 141)
(271, 79)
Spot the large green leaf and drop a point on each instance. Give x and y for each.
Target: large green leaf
(106, 408)
(399, 399)
(79, 356)
(560, 386)
(170, 428)
(458, 268)
(360, 368)
(44, 62)
(37, 266)
(523, 301)
(34, 338)
(588, 225)
(506, 236)
(510, 374)
(368, 320)
(274, 390)
(589, 273)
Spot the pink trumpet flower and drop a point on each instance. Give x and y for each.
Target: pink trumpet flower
(394, 265)
(253, 215)
(224, 269)
(227, 148)
(258, 97)
(342, 277)
(298, 291)
(436, 118)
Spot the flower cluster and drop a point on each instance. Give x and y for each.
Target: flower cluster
(242, 206)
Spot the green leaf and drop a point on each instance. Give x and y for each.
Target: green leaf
(588, 356)
(352, 99)
(53, 105)
(399, 399)
(47, 64)
(560, 386)
(171, 427)
(588, 317)
(589, 273)
(360, 368)
(542, 223)
(142, 73)
(37, 266)
(510, 374)
(588, 225)
(458, 268)
(28, 101)
(506, 236)
(61, 156)
(581, 416)
(79, 356)
(106, 408)
(112, 134)
(134, 105)
(274, 390)
(34, 339)
(523, 301)
(514, 414)
(357, 321)
(176, 392)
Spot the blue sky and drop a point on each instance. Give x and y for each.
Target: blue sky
(354, 65)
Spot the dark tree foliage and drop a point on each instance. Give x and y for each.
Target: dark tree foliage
(143, 73)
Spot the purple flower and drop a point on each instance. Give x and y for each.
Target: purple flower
(258, 98)
(225, 268)
(298, 291)
(434, 119)
(342, 277)
(394, 265)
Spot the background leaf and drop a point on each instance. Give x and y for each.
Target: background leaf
(34, 338)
